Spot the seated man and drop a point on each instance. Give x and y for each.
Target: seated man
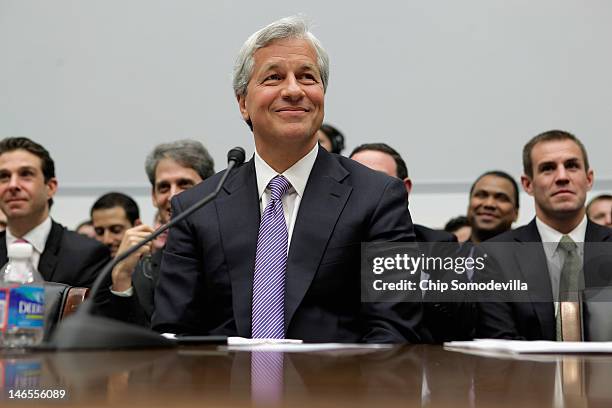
(278, 253)
(112, 215)
(558, 176)
(171, 168)
(27, 187)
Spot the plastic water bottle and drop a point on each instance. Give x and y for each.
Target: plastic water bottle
(22, 299)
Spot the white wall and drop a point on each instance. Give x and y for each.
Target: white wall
(456, 86)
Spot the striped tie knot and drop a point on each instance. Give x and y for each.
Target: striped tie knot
(278, 186)
(567, 244)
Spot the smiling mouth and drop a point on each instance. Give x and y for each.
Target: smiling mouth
(293, 110)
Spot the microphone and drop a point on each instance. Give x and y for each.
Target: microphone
(83, 330)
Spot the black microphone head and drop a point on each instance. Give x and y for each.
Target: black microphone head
(236, 155)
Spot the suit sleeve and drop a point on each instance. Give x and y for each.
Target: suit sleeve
(178, 279)
(392, 322)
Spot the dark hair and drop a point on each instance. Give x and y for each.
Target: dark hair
(549, 136)
(187, 153)
(114, 199)
(504, 175)
(47, 165)
(335, 137)
(454, 224)
(402, 170)
(598, 198)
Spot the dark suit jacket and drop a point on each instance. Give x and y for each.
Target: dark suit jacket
(206, 277)
(68, 257)
(533, 320)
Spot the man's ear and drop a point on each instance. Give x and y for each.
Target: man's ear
(590, 179)
(51, 187)
(137, 222)
(243, 108)
(408, 185)
(527, 184)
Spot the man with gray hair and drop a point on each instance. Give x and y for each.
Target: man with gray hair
(277, 255)
(171, 168)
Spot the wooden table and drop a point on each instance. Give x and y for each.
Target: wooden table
(213, 376)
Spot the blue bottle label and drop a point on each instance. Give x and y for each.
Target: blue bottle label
(3, 307)
(26, 307)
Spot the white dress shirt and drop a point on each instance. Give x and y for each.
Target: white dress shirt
(37, 237)
(297, 175)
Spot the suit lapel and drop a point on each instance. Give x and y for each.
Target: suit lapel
(534, 269)
(320, 207)
(239, 226)
(49, 257)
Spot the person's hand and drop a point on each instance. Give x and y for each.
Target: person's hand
(122, 273)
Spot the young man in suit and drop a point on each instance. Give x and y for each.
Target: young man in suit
(277, 254)
(558, 176)
(27, 187)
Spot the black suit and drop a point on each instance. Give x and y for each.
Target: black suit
(533, 320)
(206, 278)
(68, 257)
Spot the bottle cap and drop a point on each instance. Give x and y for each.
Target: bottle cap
(20, 250)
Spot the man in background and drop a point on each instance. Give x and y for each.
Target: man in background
(112, 215)
(27, 187)
(493, 206)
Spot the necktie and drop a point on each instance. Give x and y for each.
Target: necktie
(270, 263)
(569, 315)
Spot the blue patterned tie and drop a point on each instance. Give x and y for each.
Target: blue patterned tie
(270, 263)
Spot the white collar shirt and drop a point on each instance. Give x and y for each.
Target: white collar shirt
(297, 175)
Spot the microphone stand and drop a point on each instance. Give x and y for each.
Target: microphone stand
(83, 330)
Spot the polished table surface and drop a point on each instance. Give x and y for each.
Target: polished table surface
(405, 376)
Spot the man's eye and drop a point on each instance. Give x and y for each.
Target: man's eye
(99, 231)
(116, 229)
(272, 77)
(308, 78)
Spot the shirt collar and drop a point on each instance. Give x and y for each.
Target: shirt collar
(549, 234)
(37, 236)
(297, 174)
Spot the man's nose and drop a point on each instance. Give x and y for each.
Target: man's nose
(292, 89)
(14, 181)
(490, 202)
(107, 238)
(561, 175)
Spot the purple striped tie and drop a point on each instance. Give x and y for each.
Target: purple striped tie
(268, 312)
